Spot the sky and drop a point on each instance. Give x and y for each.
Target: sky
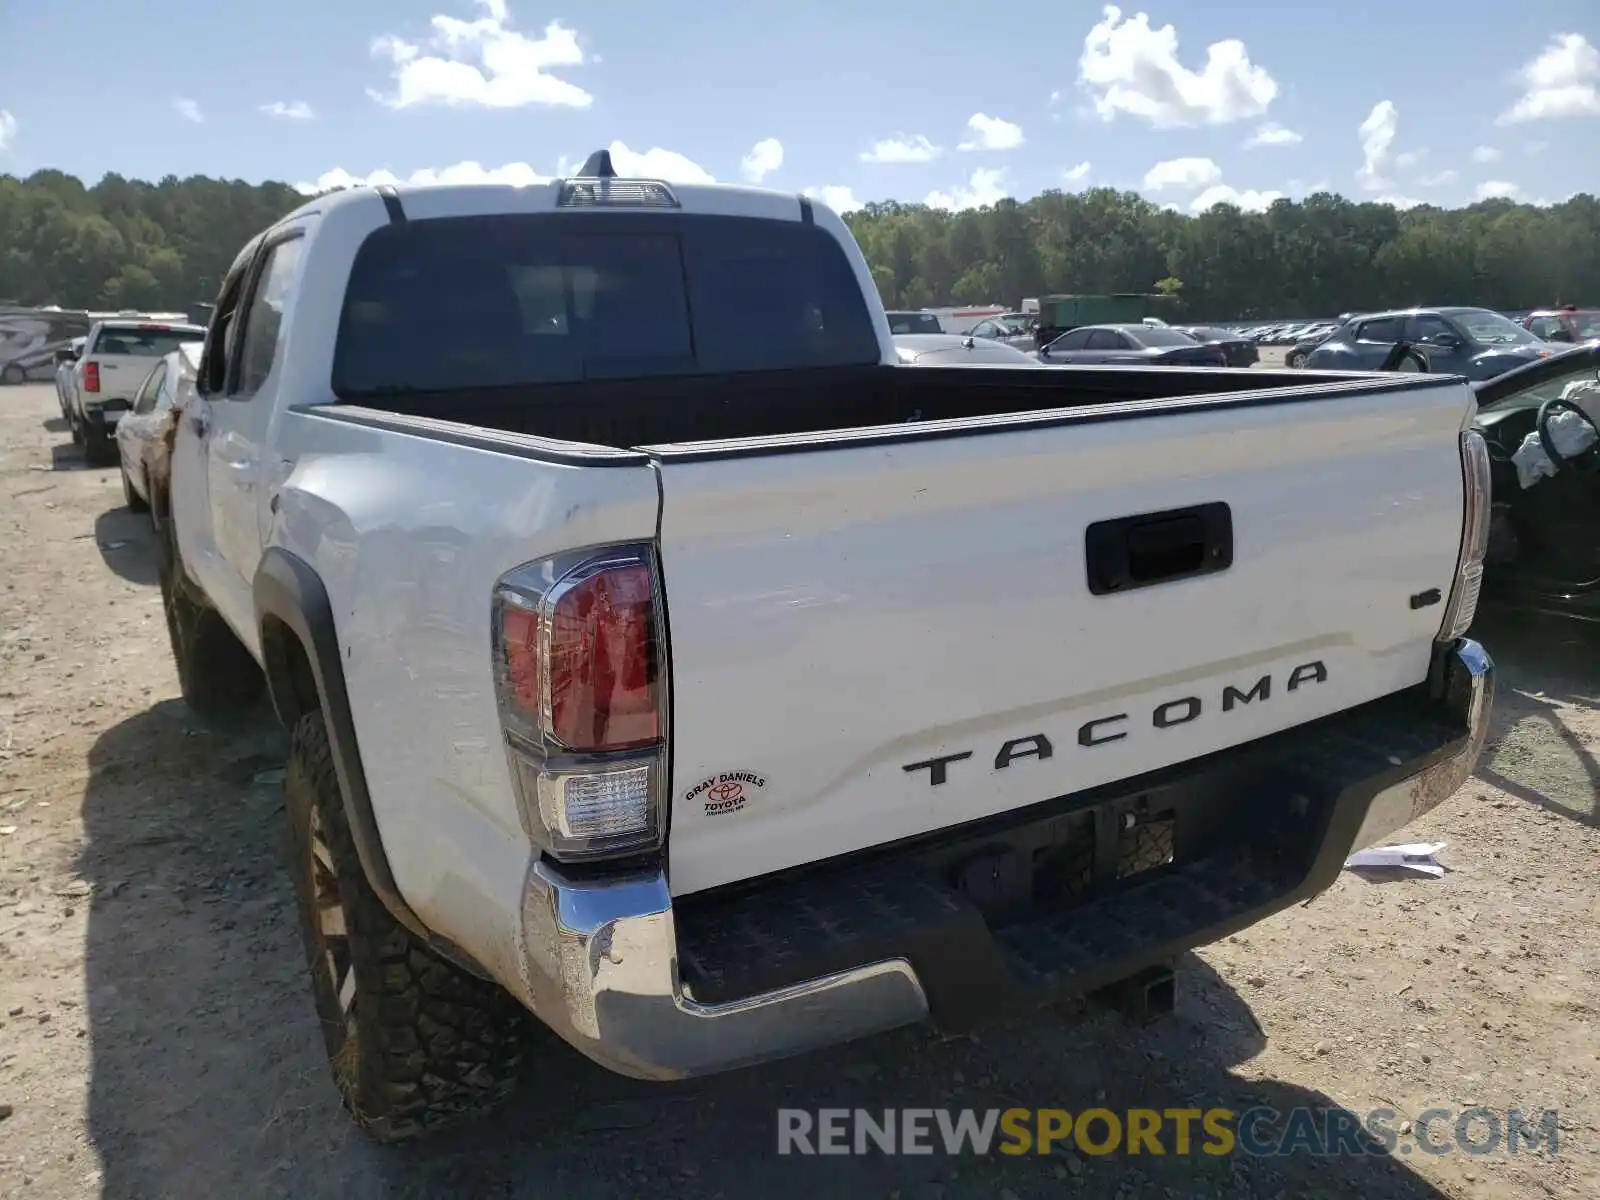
(955, 106)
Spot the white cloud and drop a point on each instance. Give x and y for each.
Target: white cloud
(1485, 154)
(765, 157)
(1439, 179)
(1249, 200)
(654, 163)
(1536, 147)
(8, 128)
(1377, 138)
(1409, 159)
(1273, 134)
(1564, 81)
(657, 163)
(841, 199)
(1189, 174)
(1497, 189)
(991, 133)
(1400, 202)
(483, 62)
(1128, 67)
(1076, 174)
(987, 186)
(516, 174)
(188, 110)
(902, 149)
(293, 110)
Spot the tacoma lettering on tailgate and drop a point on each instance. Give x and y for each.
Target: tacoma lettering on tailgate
(1099, 731)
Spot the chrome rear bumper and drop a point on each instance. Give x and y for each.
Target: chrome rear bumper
(601, 966)
(1469, 697)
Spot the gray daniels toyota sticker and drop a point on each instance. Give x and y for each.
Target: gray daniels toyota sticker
(726, 791)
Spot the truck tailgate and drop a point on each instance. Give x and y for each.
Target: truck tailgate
(873, 638)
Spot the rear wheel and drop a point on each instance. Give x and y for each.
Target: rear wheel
(216, 674)
(1296, 359)
(414, 1043)
(13, 374)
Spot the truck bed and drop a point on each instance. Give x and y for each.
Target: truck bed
(1047, 582)
(694, 409)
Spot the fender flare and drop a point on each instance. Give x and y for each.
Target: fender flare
(288, 590)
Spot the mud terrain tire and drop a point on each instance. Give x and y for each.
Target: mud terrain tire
(216, 674)
(416, 1044)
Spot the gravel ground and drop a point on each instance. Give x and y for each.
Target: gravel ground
(157, 1037)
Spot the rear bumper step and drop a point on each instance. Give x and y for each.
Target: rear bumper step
(1070, 897)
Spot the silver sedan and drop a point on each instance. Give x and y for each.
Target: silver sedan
(140, 430)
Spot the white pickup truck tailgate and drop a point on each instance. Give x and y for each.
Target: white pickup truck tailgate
(838, 615)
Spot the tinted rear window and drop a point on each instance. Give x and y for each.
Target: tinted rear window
(503, 301)
(914, 322)
(144, 343)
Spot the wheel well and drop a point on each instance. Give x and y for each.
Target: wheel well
(290, 680)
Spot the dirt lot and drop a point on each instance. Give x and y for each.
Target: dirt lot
(157, 1038)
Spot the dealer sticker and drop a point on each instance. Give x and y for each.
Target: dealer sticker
(726, 791)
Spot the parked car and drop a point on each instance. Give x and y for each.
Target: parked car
(117, 357)
(1543, 549)
(1569, 324)
(1473, 342)
(142, 429)
(1309, 341)
(952, 350)
(1130, 345)
(651, 549)
(914, 322)
(1237, 350)
(66, 357)
(1013, 329)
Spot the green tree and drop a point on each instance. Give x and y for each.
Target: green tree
(130, 242)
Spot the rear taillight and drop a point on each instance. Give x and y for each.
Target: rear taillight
(1463, 606)
(91, 377)
(581, 681)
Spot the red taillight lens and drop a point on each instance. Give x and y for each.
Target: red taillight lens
(581, 684)
(519, 637)
(91, 377)
(581, 662)
(602, 664)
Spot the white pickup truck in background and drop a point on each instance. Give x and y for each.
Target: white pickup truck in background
(664, 660)
(117, 357)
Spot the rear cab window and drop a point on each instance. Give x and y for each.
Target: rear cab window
(143, 341)
(466, 303)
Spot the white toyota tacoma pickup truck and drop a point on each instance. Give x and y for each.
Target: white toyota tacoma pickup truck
(665, 661)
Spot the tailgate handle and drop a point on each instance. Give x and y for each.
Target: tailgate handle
(1127, 553)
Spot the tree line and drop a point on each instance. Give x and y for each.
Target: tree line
(126, 243)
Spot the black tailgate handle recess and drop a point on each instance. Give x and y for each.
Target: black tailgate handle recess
(1159, 547)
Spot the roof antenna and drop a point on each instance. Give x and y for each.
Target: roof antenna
(598, 166)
